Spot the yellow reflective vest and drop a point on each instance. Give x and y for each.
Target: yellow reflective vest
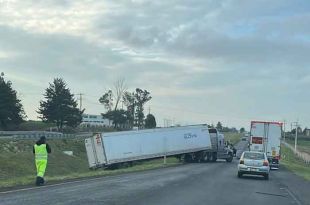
(40, 152)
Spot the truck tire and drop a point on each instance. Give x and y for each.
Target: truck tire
(198, 157)
(239, 174)
(214, 157)
(230, 157)
(188, 158)
(266, 176)
(208, 157)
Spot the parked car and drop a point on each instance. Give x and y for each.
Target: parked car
(254, 163)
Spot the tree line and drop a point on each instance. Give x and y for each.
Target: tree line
(61, 108)
(133, 113)
(219, 126)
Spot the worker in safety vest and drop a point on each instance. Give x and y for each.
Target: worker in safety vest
(41, 150)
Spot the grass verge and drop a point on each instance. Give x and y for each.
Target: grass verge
(302, 145)
(292, 163)
(232, 137)
(17, 162)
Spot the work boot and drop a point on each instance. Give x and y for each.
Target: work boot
(40, 181)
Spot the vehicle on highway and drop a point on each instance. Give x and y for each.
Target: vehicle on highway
(195, 143)
(254, 163)
(266, 137)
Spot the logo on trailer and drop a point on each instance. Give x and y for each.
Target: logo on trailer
(189, 135)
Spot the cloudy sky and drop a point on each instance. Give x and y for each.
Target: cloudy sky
(203, 61)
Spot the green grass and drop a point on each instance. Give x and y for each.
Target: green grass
(302, 145)
(18, 168)
(232, 137)
(35, 125)
(292, 163)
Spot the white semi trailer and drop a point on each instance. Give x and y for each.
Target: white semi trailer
(191, 143)
(266, 137)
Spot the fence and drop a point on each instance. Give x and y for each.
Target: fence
(305, 157)
(38, 134)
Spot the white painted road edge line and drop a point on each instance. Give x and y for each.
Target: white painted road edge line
(76, 181)
(46, 186)
(293, 196)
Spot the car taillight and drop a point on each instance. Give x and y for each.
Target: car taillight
(241, 161)
(266, 163)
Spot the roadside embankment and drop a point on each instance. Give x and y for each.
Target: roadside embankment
(17, 165)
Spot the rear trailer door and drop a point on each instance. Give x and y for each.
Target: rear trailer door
(257, 137)
(91, 155)
(274, 140)
(99, 149)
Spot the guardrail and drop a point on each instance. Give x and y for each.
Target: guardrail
(37, 134)
(305, 157)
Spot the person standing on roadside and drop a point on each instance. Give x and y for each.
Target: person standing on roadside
(41, 150)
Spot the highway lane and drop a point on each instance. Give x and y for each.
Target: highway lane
(206, 183)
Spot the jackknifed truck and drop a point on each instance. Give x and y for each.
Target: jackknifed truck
(266, 137)
(195, 143)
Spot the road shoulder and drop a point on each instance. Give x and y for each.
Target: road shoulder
(297, 185)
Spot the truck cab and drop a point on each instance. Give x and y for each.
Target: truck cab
(220, 148)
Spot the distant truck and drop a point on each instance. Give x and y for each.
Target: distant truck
(194, 143)
(266, 137)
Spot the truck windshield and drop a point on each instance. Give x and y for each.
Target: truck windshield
(253, 155)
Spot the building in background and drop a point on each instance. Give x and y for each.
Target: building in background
(307, 132)
(95, 121)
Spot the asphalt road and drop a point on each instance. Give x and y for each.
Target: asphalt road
(191, 184)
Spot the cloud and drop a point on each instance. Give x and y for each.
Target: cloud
(220, 56)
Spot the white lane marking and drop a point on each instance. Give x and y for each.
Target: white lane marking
(293, 196)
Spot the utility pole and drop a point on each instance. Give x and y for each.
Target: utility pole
(81, 100)
(296, 134)
(284, 123)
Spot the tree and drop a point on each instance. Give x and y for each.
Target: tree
(118, 117)
(242, 130)
(59, 106)
(11, 109)
(107, 100)
(150, 121)
(299, 130)
(141, 97)
(120, 89)
(129, 102)
(134, 103)
(219, 126)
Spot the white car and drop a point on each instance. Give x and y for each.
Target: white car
(253, 163)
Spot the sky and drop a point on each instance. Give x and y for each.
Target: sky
(203, 61)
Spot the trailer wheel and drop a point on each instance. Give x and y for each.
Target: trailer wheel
(214, 157)
(230, 158)
(188, 158)
(198, 157)
(207, 157)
